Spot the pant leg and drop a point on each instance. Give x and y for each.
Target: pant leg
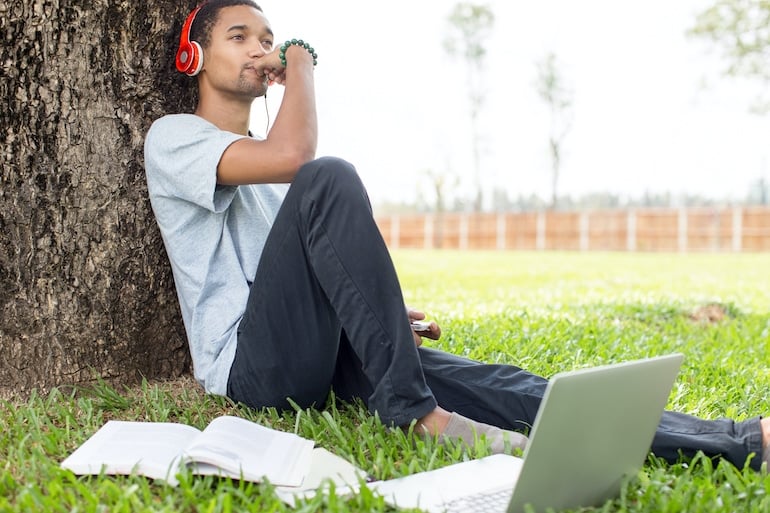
(501, 395)
(725, 438)
(509, 397)
(324, 269)
(289, 334)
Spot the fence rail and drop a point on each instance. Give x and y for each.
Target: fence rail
(726, 229)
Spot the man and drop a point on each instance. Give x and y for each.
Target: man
(291, 292)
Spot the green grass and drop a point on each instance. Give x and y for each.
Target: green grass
(547, 312)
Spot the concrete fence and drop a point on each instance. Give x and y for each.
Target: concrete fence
(732, 229)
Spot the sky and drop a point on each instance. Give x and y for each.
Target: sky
(651, 110)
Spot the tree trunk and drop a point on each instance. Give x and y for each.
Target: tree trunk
(85, 285)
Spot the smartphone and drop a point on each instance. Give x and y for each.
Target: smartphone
(421, 326)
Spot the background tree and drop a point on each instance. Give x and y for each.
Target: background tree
(553, 90)
(759, 192)
(84, 281)
(441, 184)
(740, 29)
(470, 26)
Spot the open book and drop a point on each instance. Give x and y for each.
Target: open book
(229, 447)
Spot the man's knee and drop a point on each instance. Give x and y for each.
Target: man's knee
(335, 164)
(326, 171)
(331, 178)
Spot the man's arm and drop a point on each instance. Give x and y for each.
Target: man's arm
(293, 137)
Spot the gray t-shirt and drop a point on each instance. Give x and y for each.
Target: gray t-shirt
(214, 235)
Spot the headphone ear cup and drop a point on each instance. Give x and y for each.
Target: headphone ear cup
(189, 57)
(184, 56)
(196, 59)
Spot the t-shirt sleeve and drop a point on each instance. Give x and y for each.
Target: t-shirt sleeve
(181, 154)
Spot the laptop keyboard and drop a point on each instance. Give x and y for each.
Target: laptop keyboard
(484, 502)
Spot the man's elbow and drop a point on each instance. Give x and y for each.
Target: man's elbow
(298, 158)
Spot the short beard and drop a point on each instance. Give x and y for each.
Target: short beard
(248, 87)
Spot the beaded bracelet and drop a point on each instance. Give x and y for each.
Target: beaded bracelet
(298, 42)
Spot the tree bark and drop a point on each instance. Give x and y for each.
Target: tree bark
(85, 285)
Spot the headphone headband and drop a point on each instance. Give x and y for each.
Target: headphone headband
(189, 57)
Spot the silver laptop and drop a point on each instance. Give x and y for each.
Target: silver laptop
(593, 430)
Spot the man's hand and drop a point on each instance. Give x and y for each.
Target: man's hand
(433, 332)
(269, 65)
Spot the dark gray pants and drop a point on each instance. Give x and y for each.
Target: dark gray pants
(326, 313)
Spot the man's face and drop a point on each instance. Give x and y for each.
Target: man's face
(241, 35)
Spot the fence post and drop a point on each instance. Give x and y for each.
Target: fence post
(427, 232)
(500, 230)
(583, 228)
(395, 231)
(631, 231)
(682, 230)
(737, 229)
(463, 242)
(540, 231)
(715, 225)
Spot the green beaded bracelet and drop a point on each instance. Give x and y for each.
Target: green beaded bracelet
(298, 42)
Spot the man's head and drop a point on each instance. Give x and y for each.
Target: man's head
(207, 16)
(196, 32)
(229, 39)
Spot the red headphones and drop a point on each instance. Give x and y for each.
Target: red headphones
(189, 57)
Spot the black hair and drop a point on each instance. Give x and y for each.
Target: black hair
(206, 18)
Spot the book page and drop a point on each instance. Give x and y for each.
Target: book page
(149, 449)
(241, 448)
(326, 468)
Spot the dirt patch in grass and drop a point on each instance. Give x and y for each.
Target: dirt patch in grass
(710, 314)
